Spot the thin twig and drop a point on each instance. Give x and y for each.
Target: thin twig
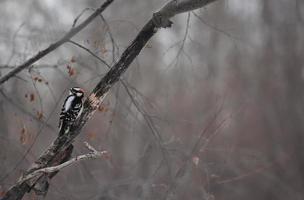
(90, 52)
(93, 154)
(159, 19)
(57, 44)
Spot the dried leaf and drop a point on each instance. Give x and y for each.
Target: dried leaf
(39, 115)
(24, 137)
(37, 79)
(73, 59)
(32, 97)
(71, 70)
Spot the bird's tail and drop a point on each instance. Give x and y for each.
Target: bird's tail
(63, 128)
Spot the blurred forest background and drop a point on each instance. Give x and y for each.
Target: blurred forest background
(213, 107)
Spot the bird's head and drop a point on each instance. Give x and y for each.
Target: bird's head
(77, 91)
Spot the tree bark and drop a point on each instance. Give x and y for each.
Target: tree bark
(159, 19)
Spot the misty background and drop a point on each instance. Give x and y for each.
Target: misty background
(213, 108)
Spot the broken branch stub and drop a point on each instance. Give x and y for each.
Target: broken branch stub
(162, 17)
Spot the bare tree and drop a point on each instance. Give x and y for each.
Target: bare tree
(59, 152)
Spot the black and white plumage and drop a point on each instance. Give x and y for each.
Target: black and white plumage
(71, 109)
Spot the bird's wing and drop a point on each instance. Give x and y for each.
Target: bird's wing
(68, 103)
(80, 111)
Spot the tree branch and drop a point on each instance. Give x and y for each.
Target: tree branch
(174, 7)
(159, 19)
(93, 154)
(57, 44)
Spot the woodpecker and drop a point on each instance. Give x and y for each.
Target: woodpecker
(71, 109)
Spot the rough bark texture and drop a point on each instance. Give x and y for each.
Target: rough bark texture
(159, 19)
(175, 7)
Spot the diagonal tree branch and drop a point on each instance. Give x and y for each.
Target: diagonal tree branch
(57, 44)
(93, 154)
(159, 19)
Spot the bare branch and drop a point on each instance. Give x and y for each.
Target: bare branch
(93, 154)
(90, 52)
(57, 44)
(174, 7)
(24, 111)
(97, 96)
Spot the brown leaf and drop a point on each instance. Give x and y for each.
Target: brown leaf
(73, 59)
(103, 108)
(24, 137)
(71, 70)
(39, 115)
(37, 79)
(32, 97)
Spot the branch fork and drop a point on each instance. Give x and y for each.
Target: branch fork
(63, 144)
(93, 154)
